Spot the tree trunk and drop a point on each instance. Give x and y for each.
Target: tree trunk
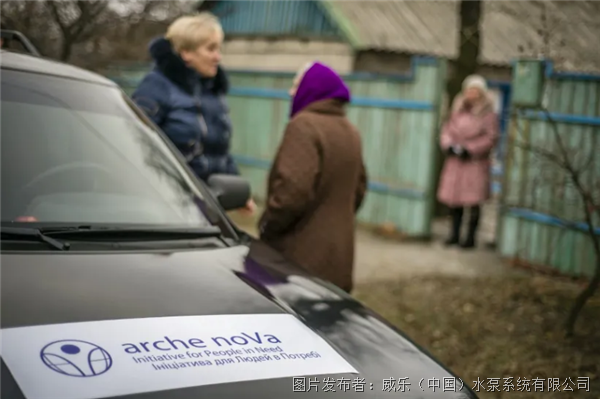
(65, 49)
(468, 55)
(465, 64)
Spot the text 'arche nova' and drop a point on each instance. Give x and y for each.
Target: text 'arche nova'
(169, 344)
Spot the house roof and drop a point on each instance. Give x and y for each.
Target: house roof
(509, 29)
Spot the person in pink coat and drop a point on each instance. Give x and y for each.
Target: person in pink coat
(468, 137)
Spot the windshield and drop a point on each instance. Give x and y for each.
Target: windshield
(75, 152)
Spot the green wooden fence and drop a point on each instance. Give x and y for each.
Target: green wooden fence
(398, 117)
(542, 215)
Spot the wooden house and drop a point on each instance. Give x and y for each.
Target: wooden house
(382, 36)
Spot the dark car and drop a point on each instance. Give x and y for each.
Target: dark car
(122, 275)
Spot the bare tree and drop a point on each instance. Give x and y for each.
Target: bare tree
(78, 21)
(47, 22)
(137, 14)
(567, 162)
(92, 33)
(32, 19)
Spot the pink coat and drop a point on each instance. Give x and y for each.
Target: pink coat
(467, 182)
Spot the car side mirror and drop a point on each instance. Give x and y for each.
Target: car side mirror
(232, 191)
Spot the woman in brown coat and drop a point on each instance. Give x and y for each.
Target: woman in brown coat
(317, 182)
(468, 138)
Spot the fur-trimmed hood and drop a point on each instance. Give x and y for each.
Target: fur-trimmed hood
(480, 109)
(173, 67)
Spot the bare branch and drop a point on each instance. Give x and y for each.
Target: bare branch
(550, 156)
(586, 202)
(52, 6)
(86, 23)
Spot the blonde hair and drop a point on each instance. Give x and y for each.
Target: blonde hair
(191, 31)
(300, 73)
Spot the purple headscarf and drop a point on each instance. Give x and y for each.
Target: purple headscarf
(319, 83)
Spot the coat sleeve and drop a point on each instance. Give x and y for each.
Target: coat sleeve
(361, 188)
(483, 144)
(151, 97)
(232, 167)
(445, 138)
(292, 179)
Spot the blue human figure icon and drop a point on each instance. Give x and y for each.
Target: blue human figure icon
(76, 358)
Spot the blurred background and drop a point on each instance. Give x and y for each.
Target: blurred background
(523, 305)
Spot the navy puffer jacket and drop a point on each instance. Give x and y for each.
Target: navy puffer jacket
(190, 109)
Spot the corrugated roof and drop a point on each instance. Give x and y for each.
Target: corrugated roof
(509, 29)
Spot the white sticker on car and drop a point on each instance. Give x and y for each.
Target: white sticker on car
(103, 359)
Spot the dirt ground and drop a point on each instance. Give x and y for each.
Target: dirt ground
(481, 318)
(498, 327)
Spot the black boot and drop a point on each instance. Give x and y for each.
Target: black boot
(473, 224)
(454, 238)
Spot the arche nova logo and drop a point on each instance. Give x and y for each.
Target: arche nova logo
(76, 358)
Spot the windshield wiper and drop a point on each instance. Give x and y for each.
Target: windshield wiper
(87, 232)
(23, 233)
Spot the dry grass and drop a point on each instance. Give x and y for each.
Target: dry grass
(495, 328)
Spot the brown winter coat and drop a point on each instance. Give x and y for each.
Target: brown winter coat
(467, 182)
(316, 185)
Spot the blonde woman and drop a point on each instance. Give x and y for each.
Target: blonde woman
(318, 179)
(468, 138)
(184, 94)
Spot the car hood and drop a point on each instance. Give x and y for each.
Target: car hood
(43, 289)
